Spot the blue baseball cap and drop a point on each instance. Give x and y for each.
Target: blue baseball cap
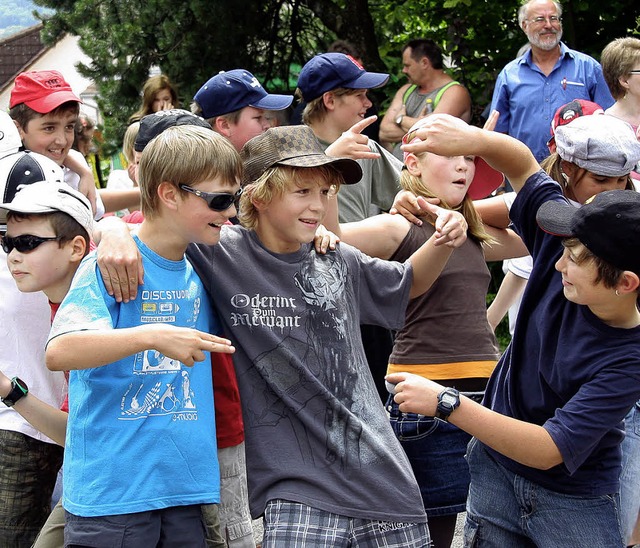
(234, 90)
(329, 71)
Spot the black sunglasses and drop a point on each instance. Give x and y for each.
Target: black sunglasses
(24, 243)
(218, 201)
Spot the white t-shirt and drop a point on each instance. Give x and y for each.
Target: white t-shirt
(24, 328)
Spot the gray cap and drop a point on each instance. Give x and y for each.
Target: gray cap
(604, 145)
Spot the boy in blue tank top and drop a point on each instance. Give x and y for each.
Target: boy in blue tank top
(140, 453)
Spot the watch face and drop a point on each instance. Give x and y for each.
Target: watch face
(448, 399)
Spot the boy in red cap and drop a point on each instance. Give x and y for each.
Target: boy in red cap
(45, 109)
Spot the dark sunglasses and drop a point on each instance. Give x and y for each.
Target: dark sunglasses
(218, 201)
(24, 243)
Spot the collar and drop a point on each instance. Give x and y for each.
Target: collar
(527, 57)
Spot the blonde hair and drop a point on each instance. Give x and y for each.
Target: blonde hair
(129, 140)
(419, 188)
(618, 59)
(274, 182)
(149, 91)
(187, 155)
(316, 110)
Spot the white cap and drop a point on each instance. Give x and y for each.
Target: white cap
(47, 197)
(10, 141)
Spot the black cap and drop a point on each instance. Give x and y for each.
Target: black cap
(154, 124)
(608, 225)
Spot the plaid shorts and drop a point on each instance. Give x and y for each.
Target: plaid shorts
(293, 525)
(28, 471)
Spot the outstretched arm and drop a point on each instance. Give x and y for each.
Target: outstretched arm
(526, 443)
(43, 417)
(449, 136)
(102, 347)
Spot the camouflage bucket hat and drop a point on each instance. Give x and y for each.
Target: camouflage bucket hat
(294, 146)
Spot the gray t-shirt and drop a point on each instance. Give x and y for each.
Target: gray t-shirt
(316, 432)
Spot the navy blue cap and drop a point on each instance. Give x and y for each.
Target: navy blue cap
(329, 71)
(154, 124)
(236, 89)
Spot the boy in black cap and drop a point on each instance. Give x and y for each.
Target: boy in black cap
(545, 463)
(319, 454)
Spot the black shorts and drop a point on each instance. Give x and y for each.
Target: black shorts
(175, 527)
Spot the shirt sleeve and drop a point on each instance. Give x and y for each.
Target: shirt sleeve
(87, 305)
(579, 426)
(385, 177)
(500, 102)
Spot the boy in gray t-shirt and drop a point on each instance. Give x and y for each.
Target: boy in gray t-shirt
(322, 460)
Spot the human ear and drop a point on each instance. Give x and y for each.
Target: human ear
(222, 126)
(78, 248)
(21, 131)
(412, 165)
(329, 100)
(169, 195)
(628, 283)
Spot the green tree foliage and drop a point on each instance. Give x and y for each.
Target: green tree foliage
(191, 40)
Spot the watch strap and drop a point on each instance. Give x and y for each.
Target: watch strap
(19, 389)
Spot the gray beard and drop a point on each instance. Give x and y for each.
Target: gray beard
(545, 45)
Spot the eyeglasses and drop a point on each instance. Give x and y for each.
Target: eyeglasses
(218, 201)
(24, 243)
(553, 20)
(634, 71)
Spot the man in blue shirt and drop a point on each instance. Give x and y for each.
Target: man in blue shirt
(531, 88)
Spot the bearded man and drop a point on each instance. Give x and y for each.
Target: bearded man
(548, 75)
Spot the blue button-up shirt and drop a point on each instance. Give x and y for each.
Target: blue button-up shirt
(527, 99)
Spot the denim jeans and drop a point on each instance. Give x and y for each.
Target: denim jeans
(436, 452)
(505, 510)
(630, 475)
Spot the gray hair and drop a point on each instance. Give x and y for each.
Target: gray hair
(524, 8)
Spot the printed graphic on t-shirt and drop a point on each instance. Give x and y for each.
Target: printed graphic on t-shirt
(161, 386)
(314, 368)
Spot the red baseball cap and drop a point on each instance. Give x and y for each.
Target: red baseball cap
(41, 90)
(568, 112)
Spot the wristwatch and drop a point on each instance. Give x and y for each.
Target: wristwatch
(19, 389)
(448, 402)
(399, 119)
